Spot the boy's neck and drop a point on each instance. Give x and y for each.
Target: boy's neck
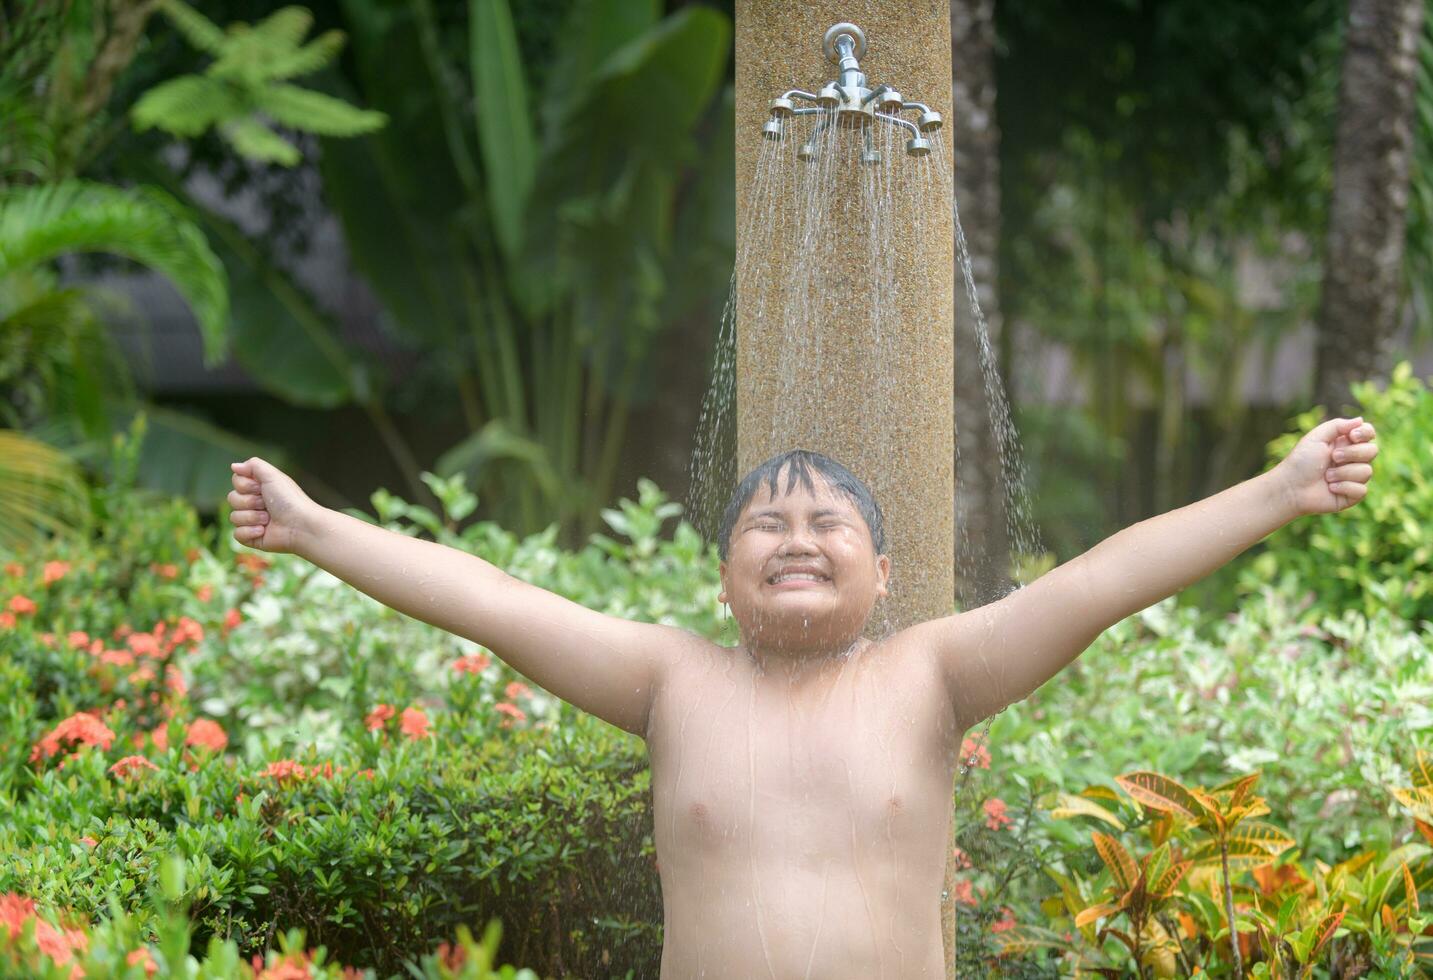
(792, 666)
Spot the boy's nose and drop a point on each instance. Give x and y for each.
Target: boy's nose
(798, 542)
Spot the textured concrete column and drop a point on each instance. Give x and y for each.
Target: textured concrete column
(898, 435)
(834, 377)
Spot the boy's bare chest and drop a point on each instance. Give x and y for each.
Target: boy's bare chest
(803, 776)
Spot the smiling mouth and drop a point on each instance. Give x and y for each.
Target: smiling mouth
(780, 577)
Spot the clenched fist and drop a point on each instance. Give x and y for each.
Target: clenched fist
(270, 511)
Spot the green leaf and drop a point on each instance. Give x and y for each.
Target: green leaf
(315, 112)
(255, 141)
(39, 224)
(504, 124)
(185, 106)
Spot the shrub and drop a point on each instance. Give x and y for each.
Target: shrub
(1378, 555)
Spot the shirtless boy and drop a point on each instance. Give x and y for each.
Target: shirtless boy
(802, 780)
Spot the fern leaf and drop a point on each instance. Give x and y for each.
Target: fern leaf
(307, 59)
(41, 223)
(186, 106)
(197, 29)
(284, 28)
(314, 112)
(254, 140)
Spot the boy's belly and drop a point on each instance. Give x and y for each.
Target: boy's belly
(789, 923)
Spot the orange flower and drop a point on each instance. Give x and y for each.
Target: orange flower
(120, 658)
(143, 675)
(89, 842)
(59, 945)
(965, 894)
(378, 717)
(81, 728)
(141, 956)
(511, 710)
(188, 631)
(231, 619)
(14, 569)
(1007, 920)
(174, 680)
(284, 769)
(970, 747)
(452, 957)
(145, 645)
(962, 860)
(251, 561)
(54, 571)
(204, 593)
(166, 570)
(290, 966)
(131, 764)
(7, 619)
(206, 734)
(78, 639)
(22, 606)
(414, 724)
(473, 663)
(161, 738)
(517, 689)
(995, 814)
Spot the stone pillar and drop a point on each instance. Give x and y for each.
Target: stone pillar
(834, 377)
(882, 406)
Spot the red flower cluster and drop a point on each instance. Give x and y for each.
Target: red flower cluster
(59, 945)
(79, 729)
(995, 817)
(287, 770)
(414, 723)
(130, 764)
(206, 734)
(513, 712)
(974, 753)
(473, 663)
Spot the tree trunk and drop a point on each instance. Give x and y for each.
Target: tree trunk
(1363, 262)
(982, 546)
(982, 550)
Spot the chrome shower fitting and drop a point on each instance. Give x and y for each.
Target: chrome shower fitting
(850, 104)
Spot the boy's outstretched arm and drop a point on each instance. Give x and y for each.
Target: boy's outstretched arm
(1002, 652)
(606, 666)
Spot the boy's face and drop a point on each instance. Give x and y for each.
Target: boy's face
(802, 574)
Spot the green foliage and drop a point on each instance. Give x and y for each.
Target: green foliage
(42, 223)
(247, 85)
(381, 843)
(536, 237)
(1377, 555)
(47, 946)
(1331, 712)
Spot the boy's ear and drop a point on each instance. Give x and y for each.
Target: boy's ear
(721, 570)
(883, 574)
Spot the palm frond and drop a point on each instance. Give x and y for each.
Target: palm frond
(39, 224)
(42, 492)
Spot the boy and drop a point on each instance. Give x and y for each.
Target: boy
(802, 781)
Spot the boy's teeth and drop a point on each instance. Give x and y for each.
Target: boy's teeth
(806, 576)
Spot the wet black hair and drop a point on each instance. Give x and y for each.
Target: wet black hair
(799, 465)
